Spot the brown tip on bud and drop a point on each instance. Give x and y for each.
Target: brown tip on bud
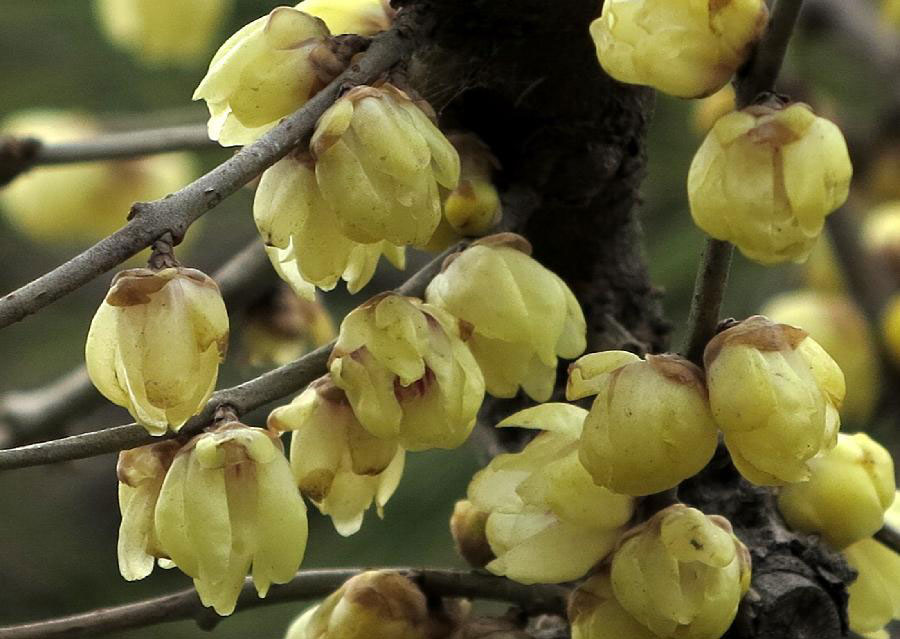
(137, 465)
(677, 369)
(316, 485)
(389, 595)
(510, 240)
(467, 525)
(758, 332)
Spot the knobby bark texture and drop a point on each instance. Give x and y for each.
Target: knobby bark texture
(524, 77)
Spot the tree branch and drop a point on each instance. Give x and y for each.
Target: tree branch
(308, 584)
(270, 386)
(30, 415)
(758, 76)
(890, 537)
(176, 212)
(106, 146)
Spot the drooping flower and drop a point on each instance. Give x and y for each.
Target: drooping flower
(523, 316)
(682, 573)
(261, 74)
(649, 427)
(379, 161)
(686, 48)
(766, 177)
(155, 344)
(303, 238)
(336, 463)
(542, 503)
(775, 393)
(229, 502)
(408, 372)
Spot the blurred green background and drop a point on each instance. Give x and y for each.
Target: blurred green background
(58, 524)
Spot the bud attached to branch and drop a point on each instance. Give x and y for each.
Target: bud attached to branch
(261, 74)
(408, 373)
(473, 207)
(468, 525)
(155, 344)
(875, 594)
(849, 489)
(362, 17)
(595, 613)
(766, 177)
(548, 522)
(229, 502)
(686, 48)
(337, 464)
(141, 472)
(379, 161)
(775, 393)
(682, 574)
(649, 427)
(303, 238)
(523, 316)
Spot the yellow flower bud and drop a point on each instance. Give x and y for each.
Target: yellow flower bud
(849, 488)
(229, 502)
(706, 112)
(649, 427)
(881, 234)
(336, 463)
(261, 74)
(379, 160)
(473, 207)
(162, 31)
(775, 393)
(765, 178)
(468, 527)
(408, 373)
(155, 344)
(84, 202)
(836, 323)
(523, 315)
(542, 503)
(682, 573)
(595, 613)
(686, 48)
(372, 604)
(875, 595)
(302, 235)
(141, 472)
(282, 327)
(362, 17)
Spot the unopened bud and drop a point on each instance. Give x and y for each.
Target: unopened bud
(467, 525)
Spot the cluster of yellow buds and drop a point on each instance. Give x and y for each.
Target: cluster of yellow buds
(408, 372)
(839, 326)
(303, 239)
(337, 464)
(775, 394)
(379, 161)
(650, 426)
(86, 201)
(162, 31)
(686, 48)
(766, 177)
(282, 326)
(156, 342)
(220, 504)
(262, 73)
(362, 17)
(523, 316)
(540, 504)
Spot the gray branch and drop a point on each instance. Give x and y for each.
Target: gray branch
(270, 386)
(176, 212)
(307, 585)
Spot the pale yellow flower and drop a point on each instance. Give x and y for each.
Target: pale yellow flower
(473, 207)
(229, 502)
(523, 316)
(595, 613)
(775, 394)
(362, 17)
(765, 178)
(155, 344)
(875, 594)
(336, 463)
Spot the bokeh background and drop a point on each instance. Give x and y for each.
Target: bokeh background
(58, 524)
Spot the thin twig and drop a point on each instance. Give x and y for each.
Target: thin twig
(307, 585)
(176, 212)
(890, 537)
(270, 386)
(758, 77)
(42, 412)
